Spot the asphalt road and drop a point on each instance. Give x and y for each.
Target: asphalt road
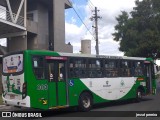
(149, 104)
(127, 109)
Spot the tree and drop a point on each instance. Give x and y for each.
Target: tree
(139, 31)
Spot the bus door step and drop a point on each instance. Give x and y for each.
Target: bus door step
(59, 107)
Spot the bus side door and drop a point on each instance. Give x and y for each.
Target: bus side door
(57, 92)
(149, 73)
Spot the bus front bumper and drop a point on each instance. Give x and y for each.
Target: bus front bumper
(14, 102)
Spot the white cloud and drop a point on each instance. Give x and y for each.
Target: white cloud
(109, 9)
(73, 20)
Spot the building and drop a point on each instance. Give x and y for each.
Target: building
(34, 24)
(86, 46)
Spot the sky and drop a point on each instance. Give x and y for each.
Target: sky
(109, 10)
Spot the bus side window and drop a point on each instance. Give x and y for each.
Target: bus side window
(111, 68)
(138, 69)
(71, 70)
(91, 67)
(125, 68)
(51, 71)
(77, 67)
(61, 75)
(95, 68)
(38, 67)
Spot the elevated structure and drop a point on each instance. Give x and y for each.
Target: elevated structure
(34, 24)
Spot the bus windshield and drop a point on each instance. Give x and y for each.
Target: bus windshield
(13, 63)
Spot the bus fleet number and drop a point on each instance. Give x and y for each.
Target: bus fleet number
(42, 87)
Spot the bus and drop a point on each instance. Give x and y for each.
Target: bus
(45, 80)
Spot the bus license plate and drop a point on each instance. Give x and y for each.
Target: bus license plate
(12, 96)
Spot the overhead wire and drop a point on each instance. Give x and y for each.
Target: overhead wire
(92, 7)
(78, 11)
(91, 4)
(81, 19)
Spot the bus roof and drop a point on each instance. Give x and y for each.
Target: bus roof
(83, 55)
(100, 56)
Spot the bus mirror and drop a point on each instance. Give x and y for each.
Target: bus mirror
(157, 68)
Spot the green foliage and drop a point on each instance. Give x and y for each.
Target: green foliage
(139, 31)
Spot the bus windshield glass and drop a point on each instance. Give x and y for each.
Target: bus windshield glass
(13, 63)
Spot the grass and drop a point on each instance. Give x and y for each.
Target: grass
(1, 101)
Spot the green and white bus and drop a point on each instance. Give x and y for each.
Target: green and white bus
(51, 80)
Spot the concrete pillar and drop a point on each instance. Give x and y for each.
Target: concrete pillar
(17, 43)
(59, 27)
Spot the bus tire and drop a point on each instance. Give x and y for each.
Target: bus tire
(139, 95)
(85, 102)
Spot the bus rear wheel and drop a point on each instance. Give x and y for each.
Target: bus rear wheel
(85, 102)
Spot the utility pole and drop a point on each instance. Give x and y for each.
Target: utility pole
(95, 17)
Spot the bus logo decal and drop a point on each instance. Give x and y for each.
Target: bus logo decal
(107, 84)
(122, 83)
(71, 83)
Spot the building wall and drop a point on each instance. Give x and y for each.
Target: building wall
(46, 25)
(42, 26)
(17, 43)
(38, 27)
(32, 42)
(59, 27)
(50, 26)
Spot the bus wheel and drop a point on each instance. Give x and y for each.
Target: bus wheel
(138, 95)
(85, 102)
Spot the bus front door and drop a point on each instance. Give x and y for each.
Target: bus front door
(57, 91)
(149, 70)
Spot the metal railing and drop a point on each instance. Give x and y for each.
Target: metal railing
(5, 15)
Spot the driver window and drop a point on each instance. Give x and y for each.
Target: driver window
(38, 67)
